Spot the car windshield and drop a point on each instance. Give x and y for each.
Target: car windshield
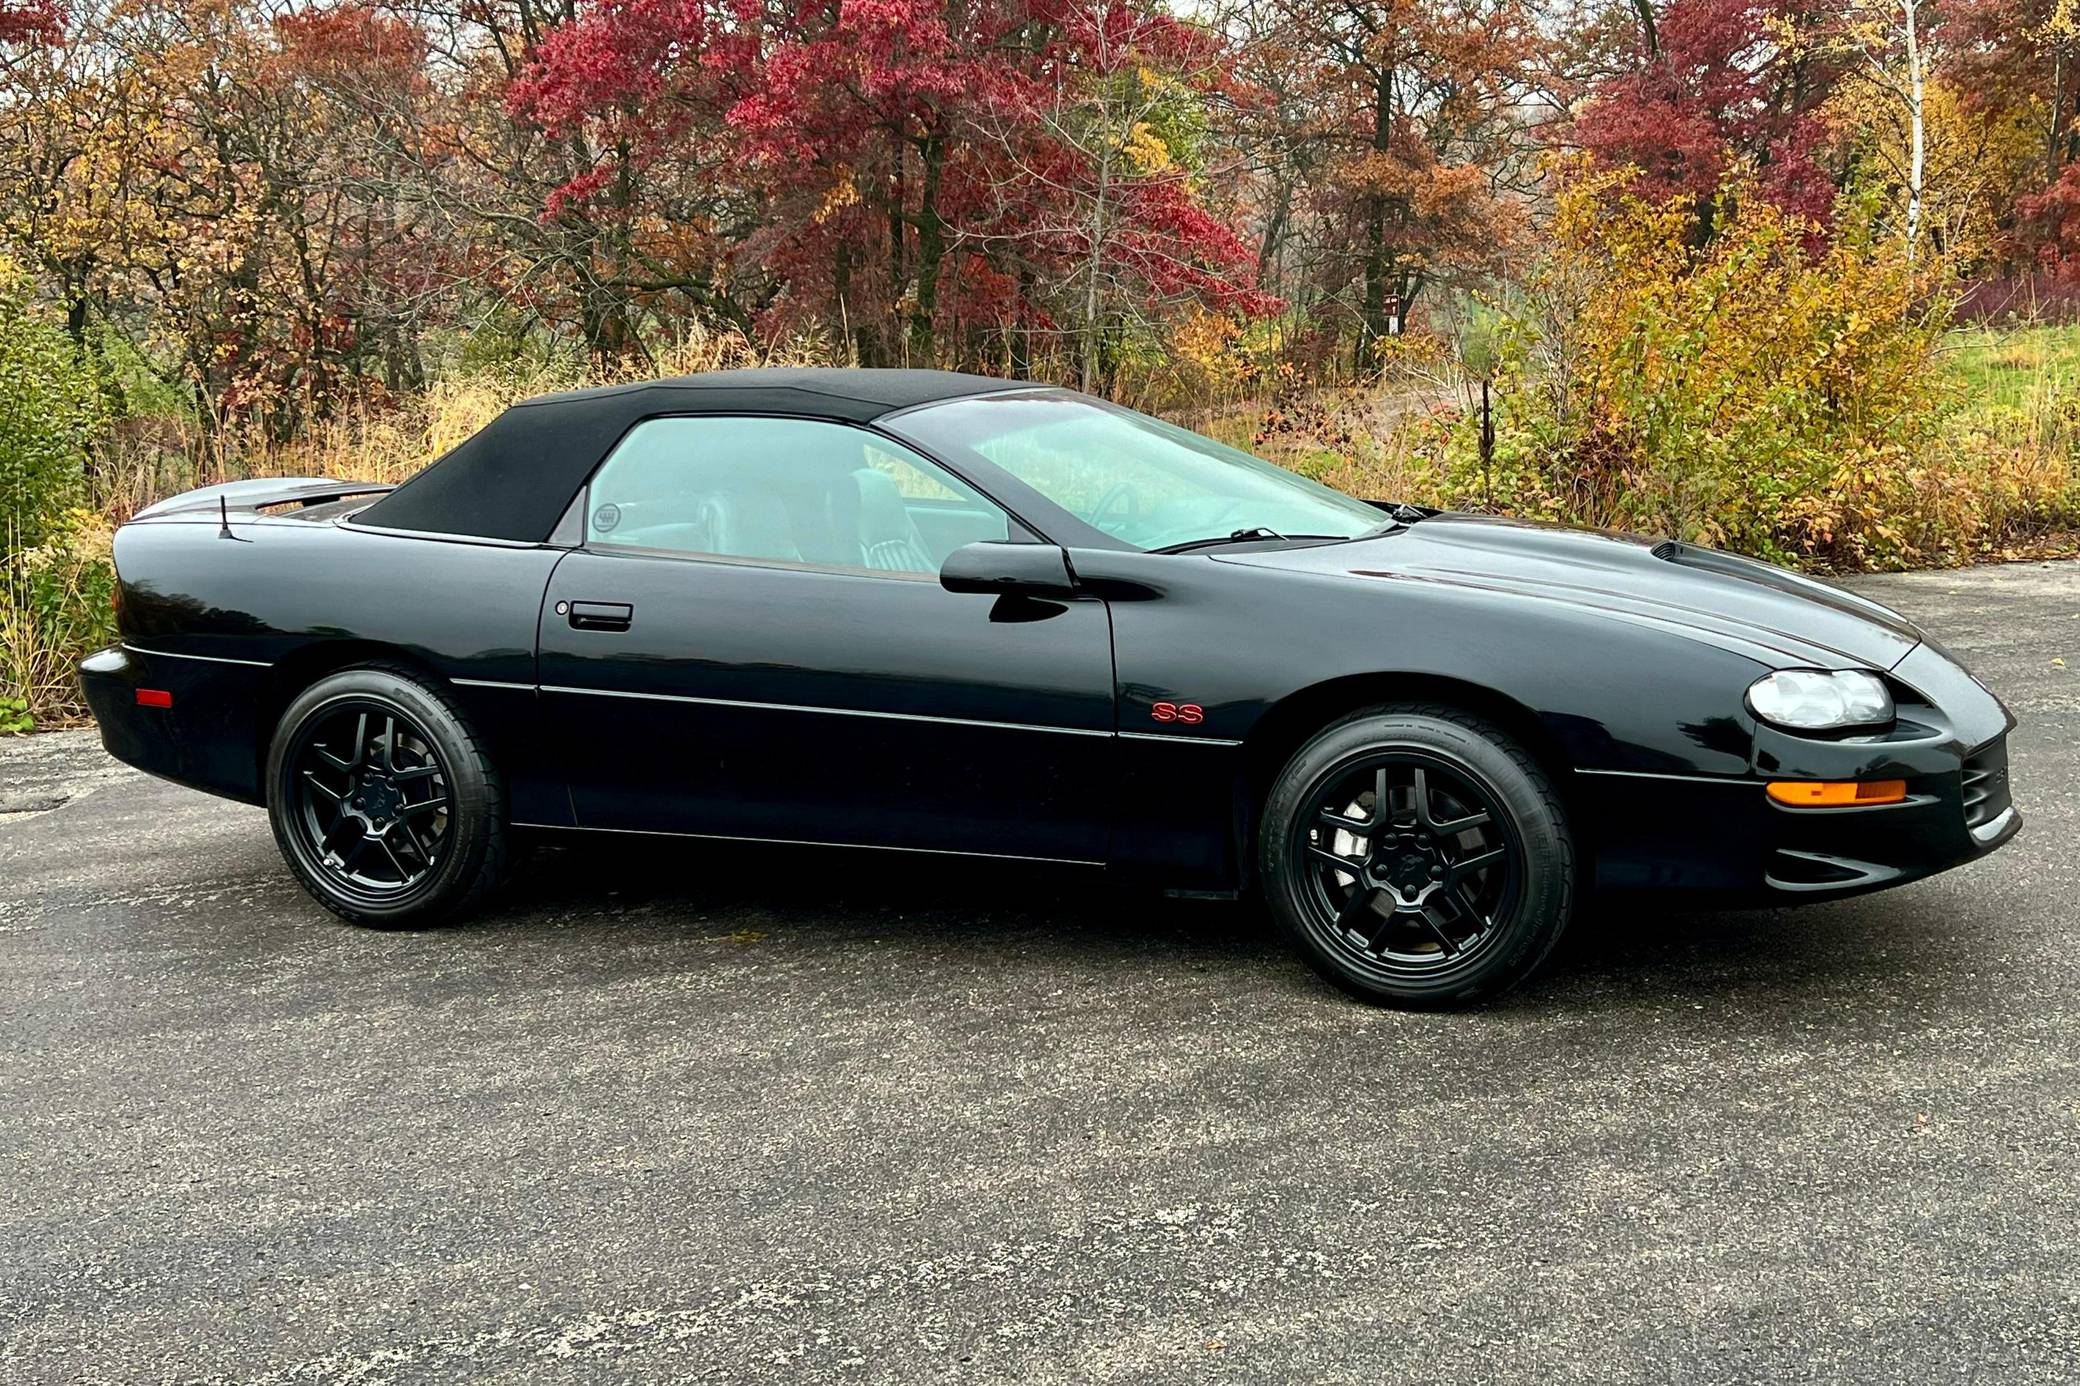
(1146, 483)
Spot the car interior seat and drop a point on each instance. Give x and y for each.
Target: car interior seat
(748, 524)
(889, 539)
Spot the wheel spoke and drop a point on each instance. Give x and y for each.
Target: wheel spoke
(411, 835)
(339, 820)
(1429, 914)
(1459, 870)
(1466, 904)
(1360, 826)
(1460, 825)
(389, 744)
(406, 810)
(311, 778)
(1357, 913)
(346, 863)
(417, 772)
(404, 876)
(1344, 864)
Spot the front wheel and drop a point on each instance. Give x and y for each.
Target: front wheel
(1417, 856)
(384, 803)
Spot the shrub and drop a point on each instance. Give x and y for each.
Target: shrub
(56, 605)
(49, 413)
(1763, 391)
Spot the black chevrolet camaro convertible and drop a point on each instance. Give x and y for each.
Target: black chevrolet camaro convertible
(942, 613)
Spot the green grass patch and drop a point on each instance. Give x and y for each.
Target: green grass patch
(2024, 370)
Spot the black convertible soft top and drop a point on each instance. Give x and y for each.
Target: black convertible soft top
(514, 478)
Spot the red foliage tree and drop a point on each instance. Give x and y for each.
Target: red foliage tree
(2023, 57)
(1720, 81)
(23, 21)
(920, 169)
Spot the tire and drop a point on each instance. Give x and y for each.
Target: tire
(1431, 907)
(384, 802)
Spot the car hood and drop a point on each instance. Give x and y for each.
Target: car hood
(1779, 617)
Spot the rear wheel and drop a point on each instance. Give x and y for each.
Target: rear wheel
(383, 801)
(1417, 856)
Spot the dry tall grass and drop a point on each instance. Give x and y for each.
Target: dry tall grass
(385, 440)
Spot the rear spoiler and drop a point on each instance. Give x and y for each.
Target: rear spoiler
(264, 492)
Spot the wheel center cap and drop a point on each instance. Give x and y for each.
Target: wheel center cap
(1410, 874)
(1408, 866)
(375, 800)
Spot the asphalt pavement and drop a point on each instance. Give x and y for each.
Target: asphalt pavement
(734, 1115)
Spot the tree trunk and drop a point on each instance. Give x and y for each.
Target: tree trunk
(841, 293)
(1275, 228)
(2058, 116)
(1647, 32)
(1378, 261)
(1917, 160)
(898, 269)
(1487, 447)
(931, 251)
(1092, 334)
(1022, 329)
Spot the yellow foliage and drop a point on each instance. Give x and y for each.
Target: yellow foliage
(1145, 149)
(844, 192)
(1767, 391)
(1212, 343)
(1975, 156)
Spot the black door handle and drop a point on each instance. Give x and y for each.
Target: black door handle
(601, 615)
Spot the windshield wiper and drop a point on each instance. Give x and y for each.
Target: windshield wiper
(1259, 533)
(1252, 535)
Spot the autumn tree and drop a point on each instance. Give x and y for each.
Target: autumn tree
(192, 167)
(610, 189)
(1719, 85)
(29, 21)
(2021, 59)
(860, 121)
(1427, 100)
(1101, 192)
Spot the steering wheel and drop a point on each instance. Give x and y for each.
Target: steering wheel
(1101, 513)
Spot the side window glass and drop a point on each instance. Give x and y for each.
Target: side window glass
(785, 490)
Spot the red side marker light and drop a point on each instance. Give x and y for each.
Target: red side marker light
(154, 697)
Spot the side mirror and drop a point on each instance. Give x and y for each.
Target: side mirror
(998, 569)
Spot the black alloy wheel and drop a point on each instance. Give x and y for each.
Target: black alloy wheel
(383, 802)
(1417, 856)
(1409, 863)
(372, 800)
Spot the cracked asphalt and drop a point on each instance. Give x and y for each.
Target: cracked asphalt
(730, 1115)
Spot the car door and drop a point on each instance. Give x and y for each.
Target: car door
(753, 642)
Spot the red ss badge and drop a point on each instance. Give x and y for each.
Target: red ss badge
(1191, 714)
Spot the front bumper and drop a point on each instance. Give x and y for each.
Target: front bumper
(1726, 837)
(206, 739)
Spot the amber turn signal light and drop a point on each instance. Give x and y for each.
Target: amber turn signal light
(1837, 793)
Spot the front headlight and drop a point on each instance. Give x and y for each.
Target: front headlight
(1820, 699)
